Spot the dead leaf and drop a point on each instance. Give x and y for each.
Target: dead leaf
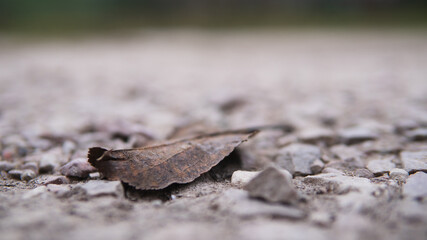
(156, 167)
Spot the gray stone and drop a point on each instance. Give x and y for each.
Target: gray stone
(15, 174)
(416, 186)
(39, 143)
(315, 135)
(317, 166)
(414, 161)
(56, 180)
(237, 202)
(48, 163)
(6, 166)
(27, 175)
(419, 134)
(390, 144)
(68, 147)
(380, 166)
(398, 174)
(78, 167)
(272, 185)
(357, 135)
(96, 188)
(405, 124)
(297, 158)
(31, 166)
(241, 178)
(350, 156)
(332, 170)
(363, 172)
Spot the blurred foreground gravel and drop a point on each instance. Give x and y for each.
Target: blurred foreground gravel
(350, 163)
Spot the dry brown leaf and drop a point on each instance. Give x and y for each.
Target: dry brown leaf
(156, 167)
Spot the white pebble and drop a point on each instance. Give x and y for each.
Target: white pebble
(398, 174)
(241, 178)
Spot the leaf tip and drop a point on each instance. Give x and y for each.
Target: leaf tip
(95, 154)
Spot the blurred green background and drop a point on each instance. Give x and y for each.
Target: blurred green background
(79, 16)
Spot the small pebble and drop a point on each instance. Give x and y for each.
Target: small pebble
(241, 178)
(22, 151)
(315, 135)
(317, 166)
(363, 172)
(399, 174)
(56, 180)
(9, 153)
(68, 147)
(27, 175)
(332, 170)
(78, 167)
(386, 145)
(96, 188)
(419, 134)
(357, 134)
(31, 166)
(15, 174)
(351, 156)
(95, 175)
(380, 166)
(6, 166)
(48, 163)
(405, 124)
(297, 158)
(272, 185)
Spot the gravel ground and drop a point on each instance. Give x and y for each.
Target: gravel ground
(348, 162)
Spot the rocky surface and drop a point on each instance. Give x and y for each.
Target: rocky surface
(352, 136)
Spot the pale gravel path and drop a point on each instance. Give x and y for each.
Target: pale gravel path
(165, 78)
